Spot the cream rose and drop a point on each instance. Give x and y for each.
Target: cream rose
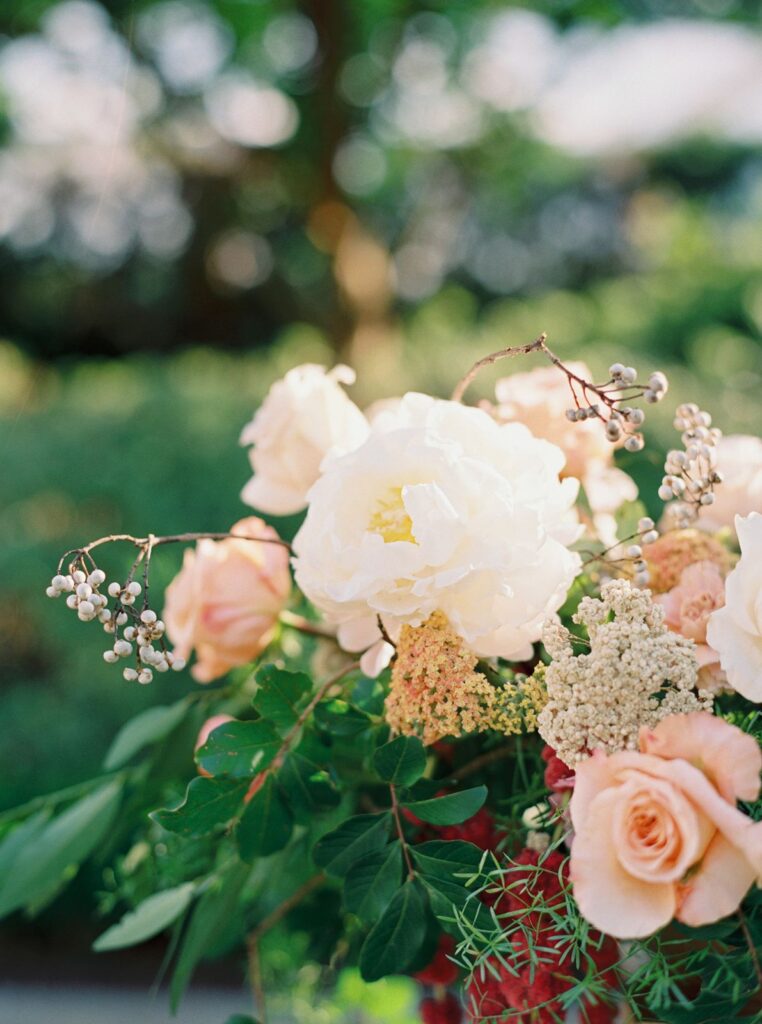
(739, 459)
(226, 599)
(735, 631)
(657, 832)
(304, 417)
(441, 509)
(539, 399)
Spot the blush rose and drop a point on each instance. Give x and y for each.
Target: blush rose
(657, 831)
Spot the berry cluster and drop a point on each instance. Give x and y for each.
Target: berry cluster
(532, 890)
(691, 472)
(133, 631)
(622, 421)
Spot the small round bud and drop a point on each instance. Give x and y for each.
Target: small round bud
(707, 499)
(571, 415)
(658, 381)
(634, 551)
(71, 601)
(129, 633)
(636, 417)
(84, 590)
(52, 591)
(665, 492)
(645, 523)
(178, 664)
(148, 616)
(121, 618)
(629, 375)
(616, 369)
(78, 576)
(96, 577)
(133, 588)
(111, 657)
(60, 582)
(85, 608)
(130, 675)
(114, 589)
(634, 443)
(145, 676)
(650, 537)
(123, 648)
(641, 579)
(613, 430)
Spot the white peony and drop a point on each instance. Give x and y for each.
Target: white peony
(739, 459)
(304, 417)
(441, 509)
(735, 631)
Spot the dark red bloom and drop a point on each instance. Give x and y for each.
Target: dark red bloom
(558, 775)
(441, 970)
(446, 1010)
(479, 830)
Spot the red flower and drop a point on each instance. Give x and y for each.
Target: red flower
(441, 970)
(441, 1011)
(558, 775)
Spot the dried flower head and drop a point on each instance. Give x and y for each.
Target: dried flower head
(691, 473)
(436, 690)
(673, 552)
(636, 673)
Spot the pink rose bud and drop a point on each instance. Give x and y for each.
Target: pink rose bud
(226, 599)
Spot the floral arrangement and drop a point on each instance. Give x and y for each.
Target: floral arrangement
(480, 721)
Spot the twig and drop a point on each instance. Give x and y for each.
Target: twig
(752, 948)
(537, 345)
(400, 831)
(175, 538)
(321, 691)
(498, 754)
(287, 905)
(303, 625)
(384, 632)
(255, 978)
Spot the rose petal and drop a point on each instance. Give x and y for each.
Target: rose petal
(718, 887)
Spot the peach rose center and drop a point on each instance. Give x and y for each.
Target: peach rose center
(657, 832)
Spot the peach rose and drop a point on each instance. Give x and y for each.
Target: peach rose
(205, 732)
(539, 399)
(687, 608)
(657, 832)
(226, 599)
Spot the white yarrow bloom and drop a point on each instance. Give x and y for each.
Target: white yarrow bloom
(441, 509)
(304, 417)
(735, 631)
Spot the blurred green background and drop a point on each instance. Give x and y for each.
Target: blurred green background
(197, 194)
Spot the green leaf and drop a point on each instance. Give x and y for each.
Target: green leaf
(58, 848)
(216, 914)
(341, 718)
(402, 761)
(446, 893)
(147, 727)
(372, 881)
(451, 809)
(239, 750)
(445, 859)
(308, 788)
(396, 937)
(149, 918)
(207, 803)
(266, 824)
(338, 850)
(368, 695)
(278, 695)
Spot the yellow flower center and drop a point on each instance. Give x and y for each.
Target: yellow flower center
(390, 519)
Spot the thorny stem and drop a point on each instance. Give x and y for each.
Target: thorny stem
(400, 831)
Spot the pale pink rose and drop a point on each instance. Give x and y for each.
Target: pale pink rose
(657, 832)
(226, 599)
(739, 459)
(539, 399)
(687, 608)
(204, 733)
